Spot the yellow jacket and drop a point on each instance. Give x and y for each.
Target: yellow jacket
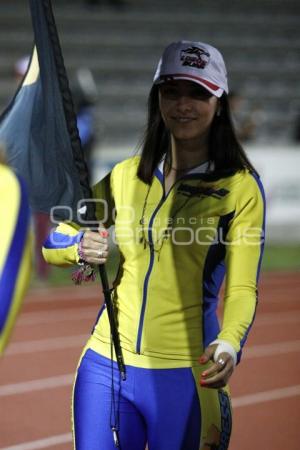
(175, 250)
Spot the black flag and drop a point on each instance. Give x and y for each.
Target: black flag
(40, 133)
(36, 131)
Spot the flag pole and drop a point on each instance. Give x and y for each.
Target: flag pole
(81, 166)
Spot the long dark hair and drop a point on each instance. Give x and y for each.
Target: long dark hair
(225, 151)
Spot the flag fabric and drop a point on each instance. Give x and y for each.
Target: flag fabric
(40, 133)
(36, 132)
(39, 143)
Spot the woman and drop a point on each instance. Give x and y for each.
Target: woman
(188, 209)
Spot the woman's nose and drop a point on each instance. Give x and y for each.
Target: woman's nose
(184, 102)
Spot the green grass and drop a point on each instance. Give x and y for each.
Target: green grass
(275, 258)
(279, 257)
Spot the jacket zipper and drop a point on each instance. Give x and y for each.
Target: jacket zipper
(146, 281)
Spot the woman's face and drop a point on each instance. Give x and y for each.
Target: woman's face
(187, 109)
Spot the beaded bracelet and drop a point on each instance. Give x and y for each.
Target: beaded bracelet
(85, 272)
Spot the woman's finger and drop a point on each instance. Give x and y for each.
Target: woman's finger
(220, 378)
(97, 257)
(217, 377)
(92, 238)
(97, 261)
(217, 366)
(103, 232)
(210, 372)
(218, 385)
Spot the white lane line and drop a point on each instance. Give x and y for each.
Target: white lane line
(70, 294)
(279, 318)
(42, 345)
(266, 396)
(258, 351)
(60, 343)
(280, 278)
(36, 385)
(90, 312)
(283, 285)
(237, 402)
(42, 443)
(279, 296)
(66, 315)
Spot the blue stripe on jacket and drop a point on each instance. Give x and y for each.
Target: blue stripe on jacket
(259, 183)
(14, 257)
(60, 240)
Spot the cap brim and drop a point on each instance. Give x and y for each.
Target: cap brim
(211, 87)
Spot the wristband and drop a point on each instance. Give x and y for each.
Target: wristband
(224, 347)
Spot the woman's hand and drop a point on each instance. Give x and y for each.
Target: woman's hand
(93, 247)
(218, 374)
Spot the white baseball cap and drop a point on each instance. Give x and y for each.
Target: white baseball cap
(193, 61)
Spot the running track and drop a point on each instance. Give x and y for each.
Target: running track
(37, 370)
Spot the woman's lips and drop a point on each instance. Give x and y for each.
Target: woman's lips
(183, 119)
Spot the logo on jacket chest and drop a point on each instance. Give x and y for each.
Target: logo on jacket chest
(200, 191)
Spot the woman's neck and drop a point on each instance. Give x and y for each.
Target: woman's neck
(186, 155)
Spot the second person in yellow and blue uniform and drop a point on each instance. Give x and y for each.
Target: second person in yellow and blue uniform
(15, 250)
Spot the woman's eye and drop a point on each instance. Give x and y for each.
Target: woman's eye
(170, 93)
(201, 94)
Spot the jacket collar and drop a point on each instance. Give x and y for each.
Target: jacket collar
(205, 167)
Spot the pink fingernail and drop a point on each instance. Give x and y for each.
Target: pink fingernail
(104, 233)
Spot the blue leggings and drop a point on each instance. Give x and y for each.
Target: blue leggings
(160, 407)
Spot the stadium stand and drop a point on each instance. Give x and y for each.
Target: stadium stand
(260, 41)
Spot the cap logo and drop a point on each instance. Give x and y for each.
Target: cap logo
(194, 57)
